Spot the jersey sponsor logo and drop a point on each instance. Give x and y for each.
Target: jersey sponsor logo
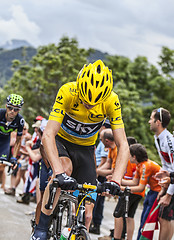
(115, 120)
(58, 99)
(6, 131)
(57, 110)
(117, 104)
(75, 107)
(79, 129)
(22, 121)
(143, 172)
(165, 154)
(72, 91)
(93, 117)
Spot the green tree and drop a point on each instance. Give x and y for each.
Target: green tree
(39, 81)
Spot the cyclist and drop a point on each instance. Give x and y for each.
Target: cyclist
(79, 111)
(10, 120)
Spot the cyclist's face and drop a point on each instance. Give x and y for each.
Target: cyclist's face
(88, 106)
(11, 112)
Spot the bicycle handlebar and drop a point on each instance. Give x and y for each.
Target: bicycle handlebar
(6, 163)
(53, 188)
(86, 187)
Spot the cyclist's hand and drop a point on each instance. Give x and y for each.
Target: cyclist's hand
(66, 182)
(13, 161)
(111, 187)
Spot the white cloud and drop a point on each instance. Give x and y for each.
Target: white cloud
(129, 27)
(18, 26)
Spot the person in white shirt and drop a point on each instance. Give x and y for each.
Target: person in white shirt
(164, 142)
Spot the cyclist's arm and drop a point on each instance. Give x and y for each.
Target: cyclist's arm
(48, 140)
(122, 156)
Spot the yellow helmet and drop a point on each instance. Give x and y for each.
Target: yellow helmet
(94, 83)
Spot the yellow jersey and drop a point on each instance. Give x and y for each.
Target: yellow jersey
(78, 124)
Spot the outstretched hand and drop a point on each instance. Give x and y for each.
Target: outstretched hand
(161, 174)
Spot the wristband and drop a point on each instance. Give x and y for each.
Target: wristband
(115, 182)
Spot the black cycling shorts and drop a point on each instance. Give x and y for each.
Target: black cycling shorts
(134, 200)
(4, 149)
(82, 158)
(167, 213)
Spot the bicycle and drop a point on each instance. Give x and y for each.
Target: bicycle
(77, 223)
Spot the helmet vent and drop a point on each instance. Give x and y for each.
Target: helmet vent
(107, 77)
(85, 87)
(90, 95)
(105, 92)
(92, 80)
(83, 74)
(98, 97)
(82, 89)
(88, 73)
(98, 69)
(102, 81)
(97, 82)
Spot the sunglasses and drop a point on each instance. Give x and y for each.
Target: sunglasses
(12, 108)
(24, 129)
(160, 112)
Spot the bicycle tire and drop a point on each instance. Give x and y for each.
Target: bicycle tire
(82, 235)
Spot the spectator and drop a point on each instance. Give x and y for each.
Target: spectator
(32, 148)
(164, 141)
(123, 225)
(145, 171)
(23, 156)
(108, 140)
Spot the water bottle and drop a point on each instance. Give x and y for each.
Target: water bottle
(65, 233)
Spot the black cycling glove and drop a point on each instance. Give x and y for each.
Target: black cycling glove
(66, 182)
(111, 187)
(13, 161)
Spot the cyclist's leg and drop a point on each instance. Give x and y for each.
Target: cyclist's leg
(4, 155)
(82, 158)
(84, 171)
(67, 165)
(88, 214)
(2, 175)
(42, 227)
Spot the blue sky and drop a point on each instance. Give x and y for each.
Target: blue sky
(119, 27)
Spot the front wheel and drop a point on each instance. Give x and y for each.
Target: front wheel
(82, 235)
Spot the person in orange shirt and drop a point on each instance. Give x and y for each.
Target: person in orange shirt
(145, 171)
(121, 224)
(108, 167)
